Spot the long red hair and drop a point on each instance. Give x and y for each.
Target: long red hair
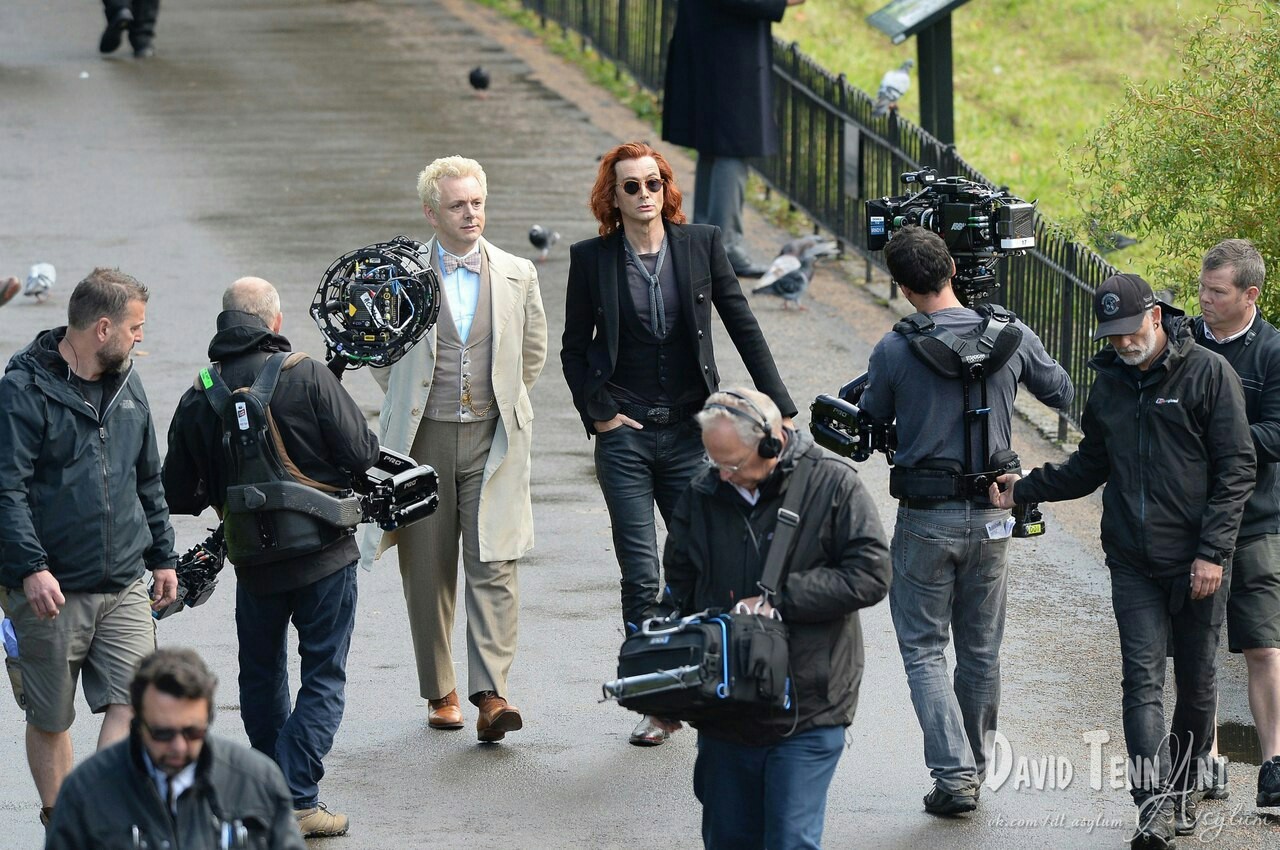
(602, 199)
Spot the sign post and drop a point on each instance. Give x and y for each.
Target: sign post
(930, 21)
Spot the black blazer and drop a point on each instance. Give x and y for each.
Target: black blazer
(589, 347)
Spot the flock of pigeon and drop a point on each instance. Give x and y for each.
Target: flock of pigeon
(787, 278)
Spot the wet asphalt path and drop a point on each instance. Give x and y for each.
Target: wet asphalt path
(269, 137)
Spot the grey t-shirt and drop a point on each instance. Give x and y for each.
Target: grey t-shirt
(930, 409)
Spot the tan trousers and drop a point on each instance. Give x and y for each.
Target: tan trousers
(429, 568)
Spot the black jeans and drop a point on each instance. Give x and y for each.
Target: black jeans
(143, 29)
(1157, 617)
(637, 468)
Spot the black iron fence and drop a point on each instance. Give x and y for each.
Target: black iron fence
(835, 155)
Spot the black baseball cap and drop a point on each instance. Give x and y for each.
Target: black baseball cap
(1120, 303)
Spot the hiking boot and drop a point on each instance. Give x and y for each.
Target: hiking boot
(940, 802)
(1216, 782)
(319, 822)
(1269, 783)
(1155, 829)
(120, 21)
(1185, 815)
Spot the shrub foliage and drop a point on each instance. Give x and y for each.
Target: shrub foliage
(1188, 163)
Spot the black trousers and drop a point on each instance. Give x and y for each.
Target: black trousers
(1156, 618)
(143, 29)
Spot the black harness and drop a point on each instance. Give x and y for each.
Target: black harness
(969, 357)
(268, 514)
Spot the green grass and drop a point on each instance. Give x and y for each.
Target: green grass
(1032, 77)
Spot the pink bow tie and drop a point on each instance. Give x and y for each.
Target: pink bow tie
(450, 263)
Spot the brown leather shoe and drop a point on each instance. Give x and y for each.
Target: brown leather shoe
(446, 712)
(497, 717)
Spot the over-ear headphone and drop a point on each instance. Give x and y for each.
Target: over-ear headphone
(769, 446)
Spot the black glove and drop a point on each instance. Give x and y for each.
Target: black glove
(338, 366)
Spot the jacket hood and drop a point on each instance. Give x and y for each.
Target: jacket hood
(52, 374)
(42, 354)
(243, 333)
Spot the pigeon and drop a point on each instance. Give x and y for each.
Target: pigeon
(40, 279)
(788, 276)
(479, 78)
(1109, 240)
(542, 239)
(893, 85)
(796, 247)
(1116, 241)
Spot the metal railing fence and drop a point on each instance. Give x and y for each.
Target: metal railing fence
(834, 156)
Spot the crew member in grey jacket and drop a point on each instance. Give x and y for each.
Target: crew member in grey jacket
(82, 519)
(171, 784)
(950, 552)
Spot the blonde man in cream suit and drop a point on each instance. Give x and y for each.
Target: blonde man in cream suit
(460, 402)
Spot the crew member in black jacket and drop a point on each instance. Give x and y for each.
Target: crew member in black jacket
(1165, 429)
(638, 358)
(1231, 278)
(323, 432)
(763, 780)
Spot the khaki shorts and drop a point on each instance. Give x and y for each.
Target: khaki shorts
(97, 637)
(1253, 611)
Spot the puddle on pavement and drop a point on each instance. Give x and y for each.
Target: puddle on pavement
(1239, 742)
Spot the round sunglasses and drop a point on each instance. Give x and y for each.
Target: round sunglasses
(653, 184)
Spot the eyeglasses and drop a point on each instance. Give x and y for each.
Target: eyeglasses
(166, 734)
(732, 468)
(653, 184)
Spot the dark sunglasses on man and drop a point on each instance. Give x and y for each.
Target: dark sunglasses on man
(164, 735)
(653, 184)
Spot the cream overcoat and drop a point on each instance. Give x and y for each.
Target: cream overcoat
(519, 353)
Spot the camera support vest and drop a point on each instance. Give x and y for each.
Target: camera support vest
(969, 357)
(269, 514)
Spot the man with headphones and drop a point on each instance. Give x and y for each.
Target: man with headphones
(949, 542)
(762, 780)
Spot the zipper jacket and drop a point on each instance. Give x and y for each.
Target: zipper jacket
(80, 490)
(1255, 357)
(1172, 445)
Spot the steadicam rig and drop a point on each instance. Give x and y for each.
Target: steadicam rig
(377, 302)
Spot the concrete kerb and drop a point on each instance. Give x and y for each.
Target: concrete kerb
(839, 285)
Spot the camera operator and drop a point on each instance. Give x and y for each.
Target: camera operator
(949, 552)
(321, 428)
(762, 780)
(1166, 430)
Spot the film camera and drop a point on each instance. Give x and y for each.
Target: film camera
(838, 424)
(375, 303)
(979, 224)
(396, 491)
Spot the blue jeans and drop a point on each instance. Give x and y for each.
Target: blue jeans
(771, 797)
(950, 576)
(1157, 617)
(637, 468)
(324, 614)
